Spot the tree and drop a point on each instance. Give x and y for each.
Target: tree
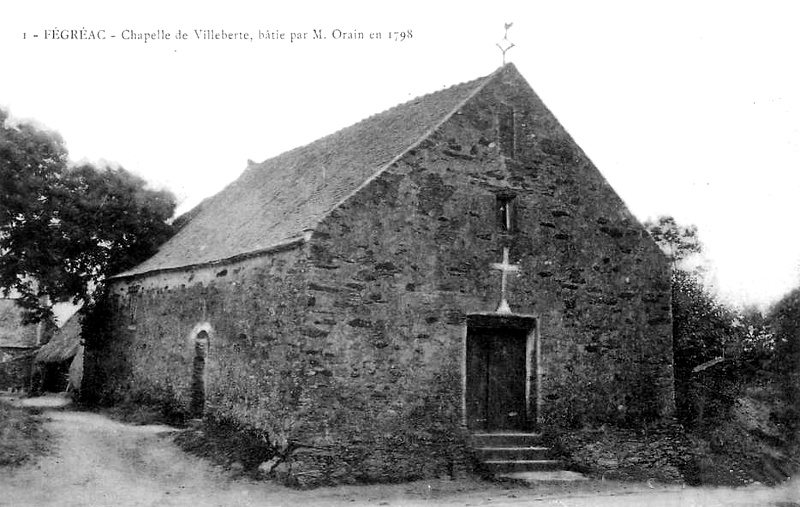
(756, 339)
(63, 229)
(111, 220)
(676, 241)
(784, 317)
(701, 324)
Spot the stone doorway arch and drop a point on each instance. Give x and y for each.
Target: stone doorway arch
(198, 385)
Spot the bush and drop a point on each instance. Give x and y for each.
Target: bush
(228, 443)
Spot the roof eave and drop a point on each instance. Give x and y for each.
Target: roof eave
(286, 245)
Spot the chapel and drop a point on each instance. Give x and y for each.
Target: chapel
(448, 276)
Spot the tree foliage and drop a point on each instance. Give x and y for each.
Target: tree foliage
(701, 325)
(717, 349)
(678, 242)
(784, 319)
(64, 229)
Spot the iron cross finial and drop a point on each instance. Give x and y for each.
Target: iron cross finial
(505, 44)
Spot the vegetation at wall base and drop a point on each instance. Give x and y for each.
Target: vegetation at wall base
(146, 408)
(737, 374)
(222, 441)
(226, 443)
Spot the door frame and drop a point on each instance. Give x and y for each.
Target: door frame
(533, 391)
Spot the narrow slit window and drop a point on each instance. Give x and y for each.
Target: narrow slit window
(505, 128)
(506, 213)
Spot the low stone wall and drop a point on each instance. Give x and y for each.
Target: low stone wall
(662, 453)
(15, 368)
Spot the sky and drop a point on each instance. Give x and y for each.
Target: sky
(688, 108)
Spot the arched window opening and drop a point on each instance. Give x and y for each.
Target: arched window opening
(198, 400)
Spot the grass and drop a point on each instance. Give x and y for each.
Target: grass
(225, 443)
(222, 442)
(22, 438)
(140, 414)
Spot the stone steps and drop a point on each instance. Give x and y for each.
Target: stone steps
(503, 453)
(505, 439)
(508, 453)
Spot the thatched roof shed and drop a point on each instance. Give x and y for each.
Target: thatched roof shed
(64, 344)
(59, 363)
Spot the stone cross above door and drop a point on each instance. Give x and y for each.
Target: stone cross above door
(504, 268)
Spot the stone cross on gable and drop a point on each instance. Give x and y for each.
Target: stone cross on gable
(504, 268)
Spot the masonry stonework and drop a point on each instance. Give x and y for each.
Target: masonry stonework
(347, 348)
(15, 368)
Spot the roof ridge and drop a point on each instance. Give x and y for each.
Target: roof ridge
(374, 115)
(420, 97)
(479, 86)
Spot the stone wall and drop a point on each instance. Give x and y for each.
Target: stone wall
(256, 367)
(15, 368)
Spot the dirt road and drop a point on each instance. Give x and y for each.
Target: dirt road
(100, 462)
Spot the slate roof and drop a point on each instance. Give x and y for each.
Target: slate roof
(12, 332)
(64, 343)
(274, 202)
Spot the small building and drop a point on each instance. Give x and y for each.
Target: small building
(59, 363)
(453, 266)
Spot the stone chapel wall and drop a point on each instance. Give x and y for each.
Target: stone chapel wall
(253, 312)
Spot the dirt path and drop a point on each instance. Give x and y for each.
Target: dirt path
(100, 462)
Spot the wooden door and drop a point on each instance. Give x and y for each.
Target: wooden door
(496, 377)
